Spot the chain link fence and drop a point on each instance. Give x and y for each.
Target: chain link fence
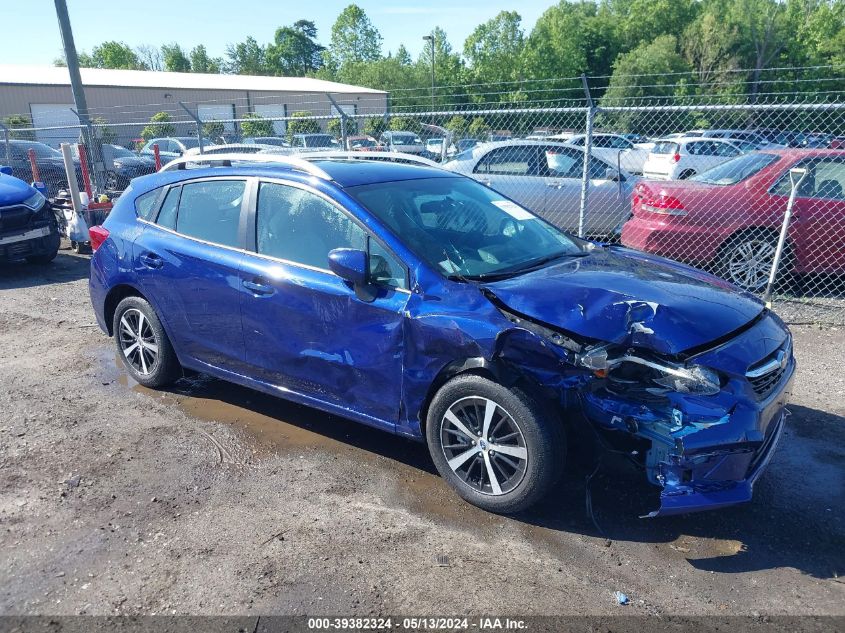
(705, 181)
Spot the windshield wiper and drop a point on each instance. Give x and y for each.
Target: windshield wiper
(526, 267)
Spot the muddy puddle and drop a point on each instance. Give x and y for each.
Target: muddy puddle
(269, 426)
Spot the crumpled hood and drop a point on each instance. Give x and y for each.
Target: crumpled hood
(13, 190)
(622, 296)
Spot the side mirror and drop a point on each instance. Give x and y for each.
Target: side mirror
(611, 174)
(5, 169)
(349, 264)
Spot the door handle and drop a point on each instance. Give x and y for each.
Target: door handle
(151, 260)
(256, 288)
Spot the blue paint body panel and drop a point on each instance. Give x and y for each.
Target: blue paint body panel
(308, 337)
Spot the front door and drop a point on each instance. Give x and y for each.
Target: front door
(515, 172)
(819, 217)
(305, 329)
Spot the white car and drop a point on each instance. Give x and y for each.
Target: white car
(230, 148)
(680, 158)
(614, 148)
(545, 177)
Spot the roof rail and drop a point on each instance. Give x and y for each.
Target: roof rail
(349, 155)
(294, 162)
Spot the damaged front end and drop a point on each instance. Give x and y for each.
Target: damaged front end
(703, 423)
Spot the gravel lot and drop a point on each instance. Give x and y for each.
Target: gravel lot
(211, 499)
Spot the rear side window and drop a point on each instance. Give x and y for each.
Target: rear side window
(145, 204)
(211, 211)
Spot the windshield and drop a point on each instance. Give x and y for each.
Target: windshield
(463, 229)
(320, 140)
(271, 140)
(735, 170)
(121, 152)
(362, 142)
(406, 139)
(192, 142)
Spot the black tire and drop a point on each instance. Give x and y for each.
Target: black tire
(112, 181)
(743, 247)
(540, 433)
(687, 173)
(161, 371)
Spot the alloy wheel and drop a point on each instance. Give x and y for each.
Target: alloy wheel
(749, 263)
(138, 341)
(484, 445)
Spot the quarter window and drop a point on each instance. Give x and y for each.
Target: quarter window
(385, 269)
(211, 211)
(145, 204)
(301, 227)
(167, 214)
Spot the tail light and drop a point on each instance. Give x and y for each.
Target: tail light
(644, 199)
(98, 235)
(676, 157)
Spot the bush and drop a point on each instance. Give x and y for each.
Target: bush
(158, 126)
(213, 129)
(16, 121)
(257, 125)
(301, 123)
(404, 124)
(458, 126)
(102, 131)
(333, 127)
(374, 126)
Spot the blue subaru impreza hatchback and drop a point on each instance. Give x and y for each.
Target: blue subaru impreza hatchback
(426, 304)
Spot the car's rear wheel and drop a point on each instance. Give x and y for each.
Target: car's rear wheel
(747, 259)
(143, 345)
(497, 447)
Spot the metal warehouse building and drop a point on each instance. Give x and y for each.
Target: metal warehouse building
(43, 95)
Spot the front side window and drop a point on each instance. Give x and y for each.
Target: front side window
(463, 229)
(211, 211)
(518, 160)
(301, 227)
(825, 179)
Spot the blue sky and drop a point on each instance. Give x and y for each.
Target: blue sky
(34, 35)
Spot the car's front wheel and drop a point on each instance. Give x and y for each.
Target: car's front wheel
(143, 345)
(499, 448)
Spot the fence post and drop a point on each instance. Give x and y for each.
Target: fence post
(8, 145)
(343, 116)
(198, 121)
(588, 148)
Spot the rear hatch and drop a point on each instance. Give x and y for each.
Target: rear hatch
(661, 159)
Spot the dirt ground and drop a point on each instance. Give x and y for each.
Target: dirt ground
(211, 499)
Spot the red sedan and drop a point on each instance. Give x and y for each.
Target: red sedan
(729, 218)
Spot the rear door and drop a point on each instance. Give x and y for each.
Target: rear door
(305, 328)
(514, 171)
(188, 261)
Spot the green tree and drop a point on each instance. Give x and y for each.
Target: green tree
(404, 124)
(102, 130)
(247, 58)
(202, 63)
(149, 56)
(374, 126)
(15, 122)
(478, 128)
(763, 35)
(641, 21)
(301, 123)
(333, 127)
(354, 38)
(448, 70)
(174, 58)
(158, 126)
(112, 55)
(213, 129)
(494, 49)
(710, 43)
(256, 125)
(649, 70)
(458, 126)
(294, 51)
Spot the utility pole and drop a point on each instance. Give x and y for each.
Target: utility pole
(78, 90)
(430, 39)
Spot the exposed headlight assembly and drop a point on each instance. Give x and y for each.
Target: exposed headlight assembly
(692, 379)
(34, 201)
